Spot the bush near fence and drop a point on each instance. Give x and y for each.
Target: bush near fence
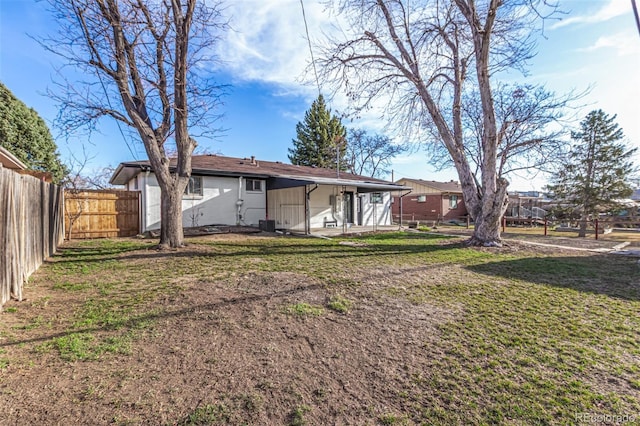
(31, 227)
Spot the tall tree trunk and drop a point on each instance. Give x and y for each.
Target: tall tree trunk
(494, 199)
(582, 232)
(171, 231)
(487, 216)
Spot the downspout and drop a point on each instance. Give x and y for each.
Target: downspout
(144, 219)
(266, 201)
(401, 197)
(342, 204)
(240, 202)
(307, 216)
(334, 206)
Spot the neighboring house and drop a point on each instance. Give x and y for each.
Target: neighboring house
(245, 191)
(10, 161)
(527, 204)
(429, 201)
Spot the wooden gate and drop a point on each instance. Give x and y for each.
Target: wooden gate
(101, 213)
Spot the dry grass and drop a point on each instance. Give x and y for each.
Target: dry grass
(395, 329)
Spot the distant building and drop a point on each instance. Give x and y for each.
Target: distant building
(245, 191)
(429, 201)
(10, 161)
(527, 204)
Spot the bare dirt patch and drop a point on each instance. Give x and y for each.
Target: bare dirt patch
(252, 329)
(228, 350)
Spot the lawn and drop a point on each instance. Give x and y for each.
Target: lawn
(389, 329)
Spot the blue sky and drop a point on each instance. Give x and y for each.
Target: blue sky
(595, 44)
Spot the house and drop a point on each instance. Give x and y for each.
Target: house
(429, 201)
(527, 204)
(245, 191)
(10, 161)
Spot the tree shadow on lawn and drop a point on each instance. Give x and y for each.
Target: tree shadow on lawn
(611, 275)
(133, 323)
(240, 250)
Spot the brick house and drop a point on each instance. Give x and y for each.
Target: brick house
(429, 201)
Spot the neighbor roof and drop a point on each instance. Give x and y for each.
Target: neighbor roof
(217, 165)
(451, 186)
(10, 161)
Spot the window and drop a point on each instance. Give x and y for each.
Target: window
(375, 198)
(422, 198)
(453, 201)
(253, 185)
(194, 187)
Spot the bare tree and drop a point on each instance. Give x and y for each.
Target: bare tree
(74, 184)
(423, 57)
(370, 155)
(531, 124)
(143, 65)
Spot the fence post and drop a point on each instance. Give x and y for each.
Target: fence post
(597, 229)
(504, 224)
(545, 227)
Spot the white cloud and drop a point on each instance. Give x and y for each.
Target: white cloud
(268, 41)
(612, 9)
(268, 44)
(624, 43)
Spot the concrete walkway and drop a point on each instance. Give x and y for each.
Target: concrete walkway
(339, 230)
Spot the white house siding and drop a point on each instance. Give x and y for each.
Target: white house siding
(287, 208)
(379, 214)
(325, 205)
(218, 204)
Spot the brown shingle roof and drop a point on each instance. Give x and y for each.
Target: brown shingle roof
(217, 164)
(440, 186)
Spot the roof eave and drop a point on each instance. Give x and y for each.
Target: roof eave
(10, 161)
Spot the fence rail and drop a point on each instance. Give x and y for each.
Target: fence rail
(429, 220)
(102, 213)
(31, 227)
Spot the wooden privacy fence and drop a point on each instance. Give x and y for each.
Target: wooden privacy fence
(31, 227)
(101, 213)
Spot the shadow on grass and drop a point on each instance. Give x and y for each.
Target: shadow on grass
(81, 252)
(144, 318)
(229, 250)
(611, 275)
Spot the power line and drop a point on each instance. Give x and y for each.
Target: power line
(135, 156)
(313, 61)
(635, 12)
(104, 89)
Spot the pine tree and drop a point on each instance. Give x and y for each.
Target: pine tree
(25, 134)
(320, 139)
(598, 168)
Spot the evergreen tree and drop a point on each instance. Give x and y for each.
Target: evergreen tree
(321, 139)
(24, 133)
(597, 170)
